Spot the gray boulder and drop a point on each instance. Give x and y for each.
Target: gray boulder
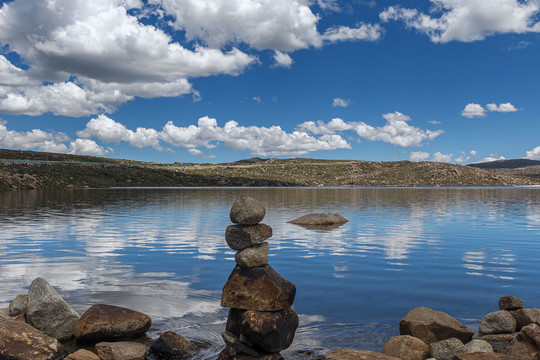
(247, 211)
(122, 350)
(18, 305)
(477, 345)
(323, 221)
(239, 237)
(48, 312)
(498, 322)
(499, 342)
(256, 255)
(446, 349)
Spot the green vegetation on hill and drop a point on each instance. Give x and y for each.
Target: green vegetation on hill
(34, 170)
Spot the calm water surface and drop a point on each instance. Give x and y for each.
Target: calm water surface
(162, 252)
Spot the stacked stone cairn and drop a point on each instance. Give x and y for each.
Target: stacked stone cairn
(261, 321)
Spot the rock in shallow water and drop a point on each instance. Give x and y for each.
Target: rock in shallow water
(247, 211)
(21, 341)
(253, 256)
(108, 322)
(122, 350)
(171, 345)
(48, 312)
(319, 219)
(429, 326)
(259, 288)
(240, 237)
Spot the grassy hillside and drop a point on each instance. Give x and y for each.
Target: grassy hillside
(34, 170)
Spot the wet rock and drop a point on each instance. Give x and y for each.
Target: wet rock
(253, 256)
(21, 341)
(429, 326)
(122, 350)
(525, 317)
(247, 211)
(234, 345)
(171, 345)
(319, 219)
(270, 331)
(48, 312)
(239, 237)
(510, 303)
(446, 349)
(498, 342)
(225, 355)
(82, 355)
(18, 305)
(259, 288)
(108, 322)
(499, 322)
(485, 356)
(406, 347)
(477, 345)
(351, 354)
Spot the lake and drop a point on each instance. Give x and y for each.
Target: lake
(163, 252)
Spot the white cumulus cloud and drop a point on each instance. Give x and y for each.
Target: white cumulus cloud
(473, 111)
(504, 108)
(440, 157)
(492, 157)
(534, 154)
(469, 20)
(87, 147)
(282, 59)
(339, 102)
(418, 156)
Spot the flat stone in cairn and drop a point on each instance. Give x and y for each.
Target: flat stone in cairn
(107, 322)
(122, 350)
(253, 256)
(429, 326)
(247, 211)
(446, 349)
(19, 305)
(171, 345)
(239, 237)
(406, 347)
(477, 345)
(352, 354)
(510, 303)
(82, 355)
(269, 331)
(48, 312)
(498, 322)
(259, 288)
(21, 341)
(525, 317)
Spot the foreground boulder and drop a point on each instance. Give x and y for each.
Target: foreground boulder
(48, 312)
(406, 347)
(429, 326)
(498, 322)
(259, 288)
(107, 322)
(123, 350)
(21, 341)
(351, 354)
(269, 331)
(171, 345)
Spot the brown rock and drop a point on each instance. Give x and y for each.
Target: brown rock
(525, 317)
(107, 322)
(259, 288)
(530, 335)
(122, 350)
(510, 303)
(270, 331)
(4, 316)
(498, 342)
(351, 354)
(21, 341)
(247, 211)
(320, 219)
(171, 345)
(253, 256)
(225, 355)
(406, 347)
(82, 355)
(429, 326)
(239, 237)
(18, 305)
(518, 349)
(485, 356)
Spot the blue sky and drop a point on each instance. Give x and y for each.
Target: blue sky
(222, 80)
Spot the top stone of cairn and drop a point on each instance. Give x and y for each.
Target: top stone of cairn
(247, 211)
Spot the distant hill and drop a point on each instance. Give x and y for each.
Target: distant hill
(36, 170)
(506, 164)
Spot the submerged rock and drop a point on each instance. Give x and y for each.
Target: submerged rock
(107, 322)
(48, 312)
(21, 341)
(320, 219)
(259, 288)
(429, 326)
